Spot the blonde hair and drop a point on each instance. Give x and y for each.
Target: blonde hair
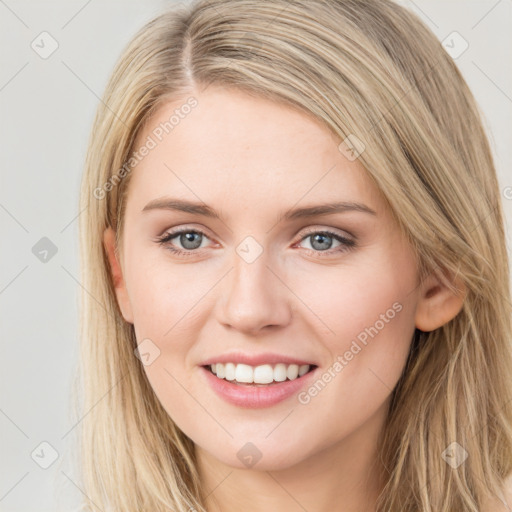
(368, 69)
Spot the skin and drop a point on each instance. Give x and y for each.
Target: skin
(250, 160)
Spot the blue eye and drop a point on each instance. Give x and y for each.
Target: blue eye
(192, 239)
(322, 241)
(188, 238)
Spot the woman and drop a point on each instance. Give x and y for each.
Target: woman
(296, 281)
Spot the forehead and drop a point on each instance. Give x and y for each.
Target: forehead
(231, 147)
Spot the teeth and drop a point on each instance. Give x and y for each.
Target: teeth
(243, 373)
(293, 371)
(280, 373)
(263, 374)
(303, 369)
(220, 370)
(229, 369)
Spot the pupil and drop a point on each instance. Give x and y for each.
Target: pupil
(321, 237)
(187, 240)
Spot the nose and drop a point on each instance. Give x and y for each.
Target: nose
(253, 297)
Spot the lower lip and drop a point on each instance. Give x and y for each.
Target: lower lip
(255, 397)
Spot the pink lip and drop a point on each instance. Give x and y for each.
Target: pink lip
(255, 359)
(255, 397)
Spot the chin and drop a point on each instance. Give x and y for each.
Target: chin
(257, 457)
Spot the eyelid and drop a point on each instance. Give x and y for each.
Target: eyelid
(334, 231)
(184, 227)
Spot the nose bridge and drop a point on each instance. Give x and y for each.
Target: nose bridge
(253, 297)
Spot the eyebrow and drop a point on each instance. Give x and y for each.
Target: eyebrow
(181, 205)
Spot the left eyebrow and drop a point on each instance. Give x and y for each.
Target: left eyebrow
(167, 203)
(327, 209)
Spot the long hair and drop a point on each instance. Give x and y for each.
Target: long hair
(372, 72)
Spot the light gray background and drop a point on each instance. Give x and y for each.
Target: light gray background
(47, 108)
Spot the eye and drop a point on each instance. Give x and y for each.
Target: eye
(189, 239)
(322, 242)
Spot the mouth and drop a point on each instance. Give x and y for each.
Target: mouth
(265, 375)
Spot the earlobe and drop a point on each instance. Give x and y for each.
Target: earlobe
(439, 302)
(109, 242)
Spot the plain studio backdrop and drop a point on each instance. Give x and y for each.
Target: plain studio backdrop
(56, 58)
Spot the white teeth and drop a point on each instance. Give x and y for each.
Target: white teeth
(229, 370)
(243, 373)
(303, 369)
(220, 371)
(280, 372)
(263, 374)
(292, 371)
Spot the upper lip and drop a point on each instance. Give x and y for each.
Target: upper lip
(254, 359)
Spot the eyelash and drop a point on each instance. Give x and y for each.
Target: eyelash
(346, 243)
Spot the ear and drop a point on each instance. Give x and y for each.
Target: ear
(109, 241)
(441, 299)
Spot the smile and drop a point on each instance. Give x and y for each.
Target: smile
(259, 375)
(250, 391)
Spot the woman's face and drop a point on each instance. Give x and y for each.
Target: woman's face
(266, 276)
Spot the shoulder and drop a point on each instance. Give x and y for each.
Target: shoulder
(508, 491)
(501, 503)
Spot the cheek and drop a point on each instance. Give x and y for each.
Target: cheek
(167, 303)
(348, 299)
(367, 314)
(165, 297)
